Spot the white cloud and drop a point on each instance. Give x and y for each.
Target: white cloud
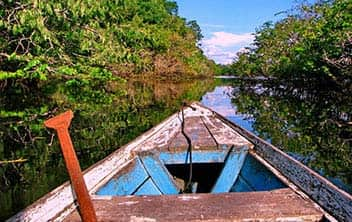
(226, 39)
(243, 50)
(222, 47)
(219, 54)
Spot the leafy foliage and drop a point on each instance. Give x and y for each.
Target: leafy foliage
(56, 55)
(109, 34)
(71, 54)
(315, 42)
(98, 129)
(311, 120)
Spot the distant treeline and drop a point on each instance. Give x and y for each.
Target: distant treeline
(41, 39)
(312, 41)
(79, 54)
(60, 54)
(85, 56)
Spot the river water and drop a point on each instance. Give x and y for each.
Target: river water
(309, 121)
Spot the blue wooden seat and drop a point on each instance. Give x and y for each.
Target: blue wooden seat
(148, 174)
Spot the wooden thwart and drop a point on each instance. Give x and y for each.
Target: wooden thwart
(282, 204)
(211, 136)
(223, 134)
(198, 134)
(327, 195)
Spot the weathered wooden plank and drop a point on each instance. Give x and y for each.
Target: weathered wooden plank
(208, 156)
(127, 181)
(197, 133)
(60, 202)
(159, 175)
(161, 139)
(148, 188)
(229, 173)
(290, 185)
(278, 205)
(334, 200)
(178, 143)
(224, 135)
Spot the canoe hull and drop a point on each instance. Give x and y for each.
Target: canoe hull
(224, 135)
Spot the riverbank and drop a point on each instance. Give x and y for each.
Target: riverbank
(101, 124)
(301, 119)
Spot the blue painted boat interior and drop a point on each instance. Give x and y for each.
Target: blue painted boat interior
(212, 172)
(254, 176)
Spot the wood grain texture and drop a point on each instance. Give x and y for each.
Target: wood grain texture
(223, 134)
(198, 134)
(148, 188)
(332, 199)
(279, 205)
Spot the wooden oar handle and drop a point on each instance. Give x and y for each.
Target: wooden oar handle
(61, 124)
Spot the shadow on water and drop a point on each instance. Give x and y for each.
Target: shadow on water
(98, 128)
(309, 120)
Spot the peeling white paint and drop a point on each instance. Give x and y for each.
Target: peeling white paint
(185, 197)
(141, 219)
(57, 204)
(101, 197)
(225, 134)
(128, 203)
(60, 201)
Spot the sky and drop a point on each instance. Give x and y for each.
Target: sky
(228, 25)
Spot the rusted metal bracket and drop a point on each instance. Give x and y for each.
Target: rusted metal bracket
(61, 124)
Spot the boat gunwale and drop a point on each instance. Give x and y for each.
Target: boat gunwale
(259, 142)
(64, 192)
(23, 214)
(290, 184)
(240, 130)
(126, 153)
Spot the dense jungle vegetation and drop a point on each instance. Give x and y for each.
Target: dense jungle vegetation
(80, 54)
(71, 53)
(312, 42)
(84, 55)
(101, 59)
(307, 59)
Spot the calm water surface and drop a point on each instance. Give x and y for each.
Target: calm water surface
(97, 130)
(310, 122)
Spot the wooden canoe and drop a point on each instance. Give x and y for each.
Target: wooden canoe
(236, 176)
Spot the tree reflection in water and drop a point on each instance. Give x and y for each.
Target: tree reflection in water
(311, 121)
(99, 127)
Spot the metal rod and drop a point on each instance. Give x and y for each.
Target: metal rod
(61, 124)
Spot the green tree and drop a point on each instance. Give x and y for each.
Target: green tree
(196, 29)
(83, 55)
(314, 43)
